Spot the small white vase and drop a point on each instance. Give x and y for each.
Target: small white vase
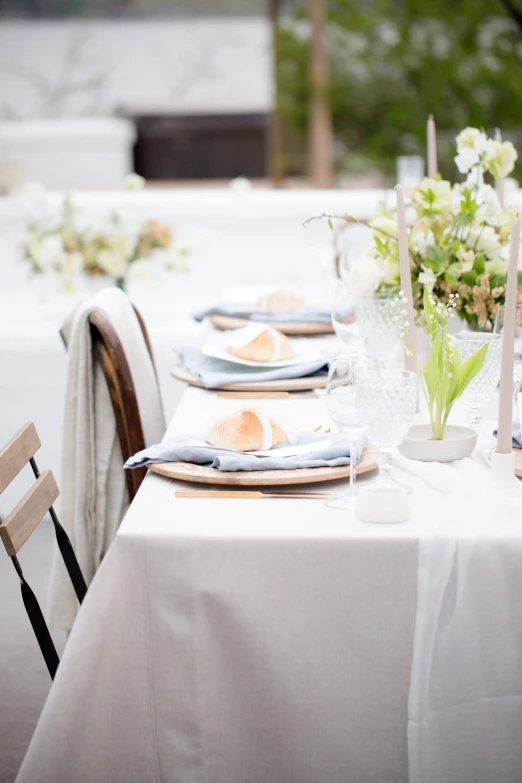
(458, 443)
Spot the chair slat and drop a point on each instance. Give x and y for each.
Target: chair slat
(24, 518)
(17, 453)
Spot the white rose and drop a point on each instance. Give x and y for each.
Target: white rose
(48, 253)
(112, 263)
(365, 275)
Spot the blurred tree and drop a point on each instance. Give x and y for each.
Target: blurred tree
(393, 62)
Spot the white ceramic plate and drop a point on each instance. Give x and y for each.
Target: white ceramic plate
(458, 443)
(216, 347)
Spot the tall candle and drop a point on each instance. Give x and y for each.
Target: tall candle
(500, 184)
(404, 262)
(433, 168)
(505, 397)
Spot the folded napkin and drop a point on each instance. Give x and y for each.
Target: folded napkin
(310, 451)
(217, 372)
(310, 315)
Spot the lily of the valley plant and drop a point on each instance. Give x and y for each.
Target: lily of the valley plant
(458, 236)
(444, 377)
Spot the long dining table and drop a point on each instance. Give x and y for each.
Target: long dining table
(240, 640)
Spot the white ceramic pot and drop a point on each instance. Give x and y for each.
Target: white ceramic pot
(458, 443)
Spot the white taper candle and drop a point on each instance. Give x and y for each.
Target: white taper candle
(404, 262)
(505, 397)
(433, 168)
(500, 184)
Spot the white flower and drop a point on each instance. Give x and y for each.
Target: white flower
(73, 264)
(134, 182)
(141, 270)
(467, 159)
(365, 275)
(483, 239)
(497, 266)
(240, 185)
(433, 194)
(471, 138)
(427, 278)
(503, 160)
(488, 205)
(112, 262)
(48, 253)
(381, 223)
(421, 240)
(466, 258)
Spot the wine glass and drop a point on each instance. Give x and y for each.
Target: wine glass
(345, 409)
(498, 329)
(388, 399)
(378, 321)
(343, 318)
(486, 381)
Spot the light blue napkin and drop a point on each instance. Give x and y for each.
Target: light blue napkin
(333, 453)
(298, 316)
(217, 372)
(516, 434)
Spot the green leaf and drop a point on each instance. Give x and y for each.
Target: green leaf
(470, 368)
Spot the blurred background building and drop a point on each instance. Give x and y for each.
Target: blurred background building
(328, 92)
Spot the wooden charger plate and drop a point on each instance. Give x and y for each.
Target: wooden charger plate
(289, 385)
(295, 328)
(200, 474)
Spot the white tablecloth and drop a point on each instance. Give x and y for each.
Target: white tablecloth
(238, 640)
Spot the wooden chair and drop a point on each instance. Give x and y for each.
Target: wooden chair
(108, 350)
(22, 522)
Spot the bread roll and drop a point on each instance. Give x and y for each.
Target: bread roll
(246, 431)
(263, 344)
(280, 302)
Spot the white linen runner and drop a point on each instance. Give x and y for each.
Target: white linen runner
(465, 699)
(94, 495)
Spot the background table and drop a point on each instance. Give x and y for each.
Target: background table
(235, 640)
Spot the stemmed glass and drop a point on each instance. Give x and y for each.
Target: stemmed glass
(345, 408)
(388, 399)
(379, 325)
(486, 381)
(343, 318)
(498, 329)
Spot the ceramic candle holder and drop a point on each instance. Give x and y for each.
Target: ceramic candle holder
(503, 470)
(382, 504)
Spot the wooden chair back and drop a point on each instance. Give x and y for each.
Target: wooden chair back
(108, 350)
(23, 521)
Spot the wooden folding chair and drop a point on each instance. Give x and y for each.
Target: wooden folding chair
(23, 521)
(108, 350)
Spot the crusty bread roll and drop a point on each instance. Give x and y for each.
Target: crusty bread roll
(267, 345)
(246, 431)
(280, 302)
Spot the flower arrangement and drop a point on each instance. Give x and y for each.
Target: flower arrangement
(70, 247)
(458, 240)
(444, 378)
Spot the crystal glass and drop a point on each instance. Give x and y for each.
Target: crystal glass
(388, 399)
(498, 329)
(410, 170)
(345, 409)
(486, 381)
(379, 325)
(343, 318)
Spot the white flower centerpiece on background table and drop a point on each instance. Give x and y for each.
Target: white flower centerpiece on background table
(74, 246)
(458, 237)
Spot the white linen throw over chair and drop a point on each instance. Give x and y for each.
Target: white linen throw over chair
(94, 490)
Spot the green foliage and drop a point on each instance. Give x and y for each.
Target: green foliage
(394, 63)
(444, 378)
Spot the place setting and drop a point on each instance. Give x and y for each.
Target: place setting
(254, 358)
(289, 312)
